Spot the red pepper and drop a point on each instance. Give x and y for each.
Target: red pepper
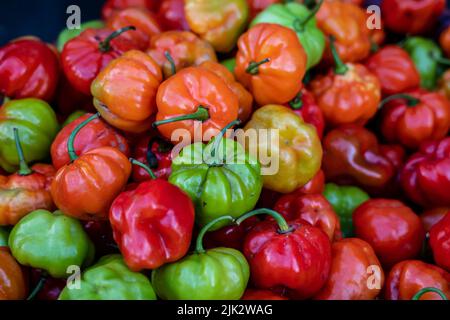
(426, 175)
(95, 134)
(393, 230)
(85, 56)
(313, 208)
(29, 68)
(112, 6)
(440, 242)
(171, 15)
(152, 224)
(252, 294)
(395, 69)
(431, 217)
(70, 100)
(414, 117)
(411, 16)
(156, 153)
(273, 247)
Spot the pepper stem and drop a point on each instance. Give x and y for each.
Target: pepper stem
(253, 67)
(70, 142)
(105, 45)
(282, 224)
(441, 60)
(220, 136)
(299, 24)
(199, 244)
(410, 100)
(420, 293)
(202, 114)
(297, 102)
(143, 166)
(169, 58)
(24, 169)
(341, 67)
(38, 287)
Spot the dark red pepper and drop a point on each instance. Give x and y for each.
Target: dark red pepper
(171, 15)
(440, 242)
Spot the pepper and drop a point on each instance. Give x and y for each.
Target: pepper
(312, 208)
(112, 6)
(414, 117)
(4, 235)
(221, 178)
(72, 117)
(49, 291)
(175, 50)
(12, 278)
(171, 15)
(101, 234)
(25, 191)
(348, 94)
(444, 41)
(440, 242)
(356, 273)
(218, 22)
(345, 199)
(393, 230)
(29, 68)
(298, 150)
(273, 246)
(395, 69)
(37, 125)
(192, 95)
(271, 63)
(444, 84)
(52, 242)
(214, 274)
(89, 197)
(125, 91)
(426, 176)
(252, 294)
(69, 34)
(257, 6)
(156, 153)
(230, 64)
(68, 99)
(300, 19)
(145, 23)
(431, 217)
(86, 55)
(410, 16)
(152, 223)
(409, 277)
(94, 135)
(110, 279)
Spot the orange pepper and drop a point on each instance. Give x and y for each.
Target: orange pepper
(183, 47)
(271, 63)
(124, 92)
(12, 279)
(444, 41)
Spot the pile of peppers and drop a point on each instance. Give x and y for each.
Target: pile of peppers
(104, 175)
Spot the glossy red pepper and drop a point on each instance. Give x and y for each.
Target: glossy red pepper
(112, 6)
(152, 224)
(426, 175)
(411, 16)
(252, 294)
(393, 230)
(29, 68)
(171, 15)
(440, 242)
(431, 217)
(395, 69)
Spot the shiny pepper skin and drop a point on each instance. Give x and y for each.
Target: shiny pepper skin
(29, 68)
(408, 277)
(12, 278)
(22, 194)
(353, 265)
(112, 6)
(431, 217)
(426, 175)
(152, 224)
(411, 124)
(395, 70)
(125, 91)
(440, 242)
(171, 15)
(278, 79)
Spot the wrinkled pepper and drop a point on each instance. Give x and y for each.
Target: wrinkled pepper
(440, 242)
(112, 6)
(12, 278)
(171, 15)
(68, 34)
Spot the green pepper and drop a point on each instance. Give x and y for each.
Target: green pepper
(74, 116)
(110, 279)
(215, 274)
(428, 59)
(4, 234)
(68, 34)
(38, 126)
(230, 64)
(52, 242)
(221, 178)
(300, 19)
(345, 199)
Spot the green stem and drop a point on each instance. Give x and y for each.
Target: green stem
(143, 166)
(24, 169)
(70, 142)
(253, 67)
(341, 68)
(220, 136)
(38, 287)
(299, 24)
(169, 58)
(441, 60)
(282, 224)
(199, 244)
(297, 102)
(420, 293)
(105, 45)
(410, 100)
(202, 114)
